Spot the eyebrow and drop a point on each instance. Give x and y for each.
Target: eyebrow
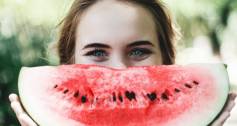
(141, 42)
(136, 43)
(98, 45)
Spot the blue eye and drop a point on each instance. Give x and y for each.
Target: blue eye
(98, 55)
(139, 53)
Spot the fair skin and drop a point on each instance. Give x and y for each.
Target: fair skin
(118, 35)
(123, 30)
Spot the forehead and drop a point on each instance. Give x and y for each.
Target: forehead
(111, 21)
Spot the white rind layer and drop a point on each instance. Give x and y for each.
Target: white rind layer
(30, 100)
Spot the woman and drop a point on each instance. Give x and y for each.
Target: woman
(119, 34)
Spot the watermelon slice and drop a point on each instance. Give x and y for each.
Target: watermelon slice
(90, 95)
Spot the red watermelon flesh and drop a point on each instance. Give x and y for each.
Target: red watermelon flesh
(90, 95)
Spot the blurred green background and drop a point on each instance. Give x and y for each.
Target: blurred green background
(28, 27)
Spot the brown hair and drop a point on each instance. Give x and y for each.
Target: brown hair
(165, 31)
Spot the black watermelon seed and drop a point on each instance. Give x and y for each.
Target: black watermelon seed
(120, 98)
(152, 96)
(83, 99)
(188, 85)
(176, 90)
(76, 94)
(164, 96)
(66, 91)
(55, 86)
(130, 95)
(195, 82)
(114, 97)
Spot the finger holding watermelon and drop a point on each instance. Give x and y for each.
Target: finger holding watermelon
(22, 116)
(225, 113)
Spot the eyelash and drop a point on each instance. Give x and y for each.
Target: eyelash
(142, 50)
(93, 53)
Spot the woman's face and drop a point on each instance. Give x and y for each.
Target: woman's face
(118, 35)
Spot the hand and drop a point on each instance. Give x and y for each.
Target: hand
(23, 118)
(225, 113)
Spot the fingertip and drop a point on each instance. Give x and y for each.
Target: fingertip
(12, 97)
(233, 96)
(233, 93)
